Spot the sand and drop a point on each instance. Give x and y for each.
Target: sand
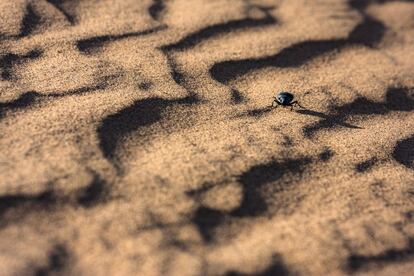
(136, 137)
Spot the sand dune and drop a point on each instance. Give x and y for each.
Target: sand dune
(136, 137)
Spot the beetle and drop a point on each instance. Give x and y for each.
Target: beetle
(285, 99)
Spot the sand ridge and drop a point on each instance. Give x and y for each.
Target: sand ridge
(136, 137)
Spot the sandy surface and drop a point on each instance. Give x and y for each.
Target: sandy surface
(136, 138)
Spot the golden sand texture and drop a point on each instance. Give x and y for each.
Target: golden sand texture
(136, 137)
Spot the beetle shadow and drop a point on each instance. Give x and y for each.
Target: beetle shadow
(397, 99)
(327, 121)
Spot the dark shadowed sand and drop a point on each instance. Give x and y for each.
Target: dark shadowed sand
(136, 138)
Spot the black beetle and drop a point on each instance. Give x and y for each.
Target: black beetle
(285, 99)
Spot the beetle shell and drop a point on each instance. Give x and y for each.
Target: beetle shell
(284, 98)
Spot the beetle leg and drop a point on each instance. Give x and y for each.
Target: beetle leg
(296, 103)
